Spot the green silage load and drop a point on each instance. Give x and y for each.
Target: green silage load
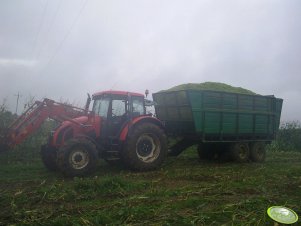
(214, 86)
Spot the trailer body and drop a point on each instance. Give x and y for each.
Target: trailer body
(213, 116)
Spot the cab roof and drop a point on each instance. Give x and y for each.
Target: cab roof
(115, 92)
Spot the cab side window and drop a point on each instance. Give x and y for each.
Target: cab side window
(101, 107)
(118, 107)
(138, 105)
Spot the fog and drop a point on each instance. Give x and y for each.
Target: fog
(63, 49)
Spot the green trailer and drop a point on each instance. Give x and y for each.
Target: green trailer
(220, 122)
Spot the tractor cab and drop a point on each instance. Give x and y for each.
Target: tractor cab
(116, 109)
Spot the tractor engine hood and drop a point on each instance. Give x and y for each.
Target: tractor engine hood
(82, 120)
(80, 126)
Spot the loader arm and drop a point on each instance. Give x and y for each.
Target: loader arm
(35, 115)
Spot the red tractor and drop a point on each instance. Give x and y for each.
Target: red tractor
(117, 130)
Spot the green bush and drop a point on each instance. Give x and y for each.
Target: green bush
(29, 150)
(6, 118)
(288, 137)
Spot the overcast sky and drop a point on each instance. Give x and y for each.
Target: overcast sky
(62, 49)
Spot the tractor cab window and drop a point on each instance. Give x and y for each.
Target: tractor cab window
(138, 106)
(119, 107)
(101, 106)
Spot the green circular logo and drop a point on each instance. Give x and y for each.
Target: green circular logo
(282, 215)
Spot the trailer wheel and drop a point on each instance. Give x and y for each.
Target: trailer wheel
(146, 148)
(49, 157)
(78, 157)
(258, 152)
(240, 152)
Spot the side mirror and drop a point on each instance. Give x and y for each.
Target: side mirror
(88, 103)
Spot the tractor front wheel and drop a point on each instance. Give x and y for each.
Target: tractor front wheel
(146, 148)
(78, 157)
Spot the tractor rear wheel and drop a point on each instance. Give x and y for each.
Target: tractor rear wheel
(78, 157)
(240, 152)
(258, 152)
(49, 157)
(146, 148)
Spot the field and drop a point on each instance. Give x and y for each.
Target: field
(185, 191)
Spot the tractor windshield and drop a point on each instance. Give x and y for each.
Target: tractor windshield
(101, 106)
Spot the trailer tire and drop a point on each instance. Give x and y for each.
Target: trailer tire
(78, 157)
(145, 148)
(49, 157)
(240, 152)
(258, 152)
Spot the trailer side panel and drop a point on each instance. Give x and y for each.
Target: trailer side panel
(219, 116)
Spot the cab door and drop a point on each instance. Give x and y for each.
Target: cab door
(118, 115)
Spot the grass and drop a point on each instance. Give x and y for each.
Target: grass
(185, 191)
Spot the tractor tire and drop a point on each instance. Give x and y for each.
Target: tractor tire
(145, 148)
(258, 152)
(49, 157)
(240, 152)
(78, 157)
